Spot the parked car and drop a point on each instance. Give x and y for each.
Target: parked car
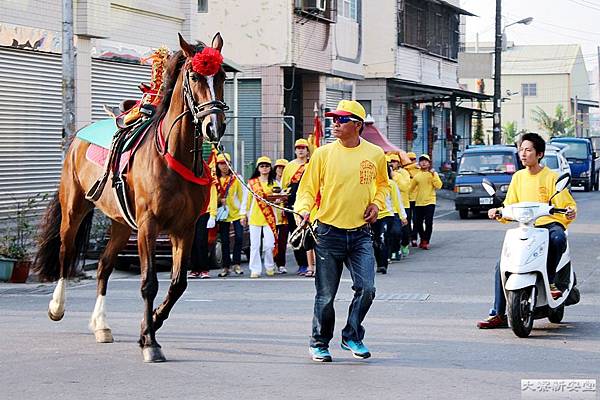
(583, 161)
(554, 159)
(128, 258)
(497, 163)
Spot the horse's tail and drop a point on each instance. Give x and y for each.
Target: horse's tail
(47, 260)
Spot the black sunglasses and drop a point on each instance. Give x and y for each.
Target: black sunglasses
(264, 166)
(344, 118)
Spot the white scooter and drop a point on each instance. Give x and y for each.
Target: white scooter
(523, 265)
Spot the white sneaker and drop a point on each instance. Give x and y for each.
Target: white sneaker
(282, 270)
(254, 275)
(270, 271)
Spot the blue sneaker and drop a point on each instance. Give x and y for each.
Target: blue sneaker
(320, 354)
(302, 271)
(358, 349)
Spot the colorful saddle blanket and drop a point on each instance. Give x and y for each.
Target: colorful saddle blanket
(100, 135)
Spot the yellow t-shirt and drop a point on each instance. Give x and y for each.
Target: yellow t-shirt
(253, 211)
(235, 196)
(288, 173)
(402, 179)
(425, 183)
(412, 169)
(345, 177)
(525, 186)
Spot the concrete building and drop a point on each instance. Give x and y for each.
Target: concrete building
(294, 54)
(411, 86)
(110, 38)
(533, 76)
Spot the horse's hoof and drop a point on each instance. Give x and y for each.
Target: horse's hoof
(55, 317)
(103, 336)
(153, 354)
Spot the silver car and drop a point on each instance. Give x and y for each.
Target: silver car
(554, 159)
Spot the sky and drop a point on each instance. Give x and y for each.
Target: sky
(554, 22)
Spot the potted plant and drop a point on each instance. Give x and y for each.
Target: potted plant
(17, 239)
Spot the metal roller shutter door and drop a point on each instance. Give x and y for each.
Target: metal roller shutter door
(249, 105)
(397, 124)
(113, 82)
(30, 125)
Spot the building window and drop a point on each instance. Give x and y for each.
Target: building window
(202, 6)
(348, 9)
(429, 26)
(529, 89)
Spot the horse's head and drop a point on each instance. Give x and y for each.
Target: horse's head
(203, 82)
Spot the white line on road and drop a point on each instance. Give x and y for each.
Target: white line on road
(444, 214)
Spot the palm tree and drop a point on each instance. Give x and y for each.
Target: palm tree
(559, 125)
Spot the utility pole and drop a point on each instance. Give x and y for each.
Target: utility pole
(497, 75)
(68, 73)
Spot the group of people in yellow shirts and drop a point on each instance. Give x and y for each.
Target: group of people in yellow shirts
(407, 215)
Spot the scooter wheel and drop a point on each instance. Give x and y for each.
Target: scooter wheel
(519, 311)
(556, 315)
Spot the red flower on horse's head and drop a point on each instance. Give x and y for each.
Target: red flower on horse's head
(207, 62)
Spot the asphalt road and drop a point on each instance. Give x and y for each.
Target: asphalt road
(240, 338)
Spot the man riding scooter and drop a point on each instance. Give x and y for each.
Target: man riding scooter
(535, 183)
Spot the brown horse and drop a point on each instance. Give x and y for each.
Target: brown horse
(161, 199)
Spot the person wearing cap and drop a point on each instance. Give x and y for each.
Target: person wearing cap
(350, 175)
(402, 179)
(261, 219)
(426, 182)
(412, 169)
(282, 222)
(230, 195)
(290, 180)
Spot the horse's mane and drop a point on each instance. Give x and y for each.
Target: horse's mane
(174, 64)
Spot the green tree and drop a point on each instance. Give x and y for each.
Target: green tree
(558, 125)
(510, 132)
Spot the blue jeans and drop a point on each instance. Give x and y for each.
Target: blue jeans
(556, 247)
(335, 248)
(237, 246)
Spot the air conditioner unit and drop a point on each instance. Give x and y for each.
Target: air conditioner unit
(311, 5)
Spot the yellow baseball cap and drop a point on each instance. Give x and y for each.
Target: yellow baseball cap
(281, 162)
(347, 108)
(424, 157)
(221, 158)
(411, 155)
(394, 157)
(301, 143)
(263, 160)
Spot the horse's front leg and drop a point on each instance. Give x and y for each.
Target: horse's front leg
(181, 255)
(147, 234)
(119, 235)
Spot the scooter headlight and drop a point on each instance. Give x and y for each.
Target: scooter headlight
(523, 215)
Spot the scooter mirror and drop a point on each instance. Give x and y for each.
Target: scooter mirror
(563, 182)
(488, 186)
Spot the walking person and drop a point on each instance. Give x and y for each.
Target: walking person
(290, 180)
(230, 197)
(426, 182)
(383, 229)
(351, 176)
(402, 179)
(261, 219)
(412, 169)
(282, 222)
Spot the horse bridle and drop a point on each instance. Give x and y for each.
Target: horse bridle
(199, 111)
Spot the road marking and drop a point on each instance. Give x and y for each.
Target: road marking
(264, 279)
(444, 214)
(199, 300)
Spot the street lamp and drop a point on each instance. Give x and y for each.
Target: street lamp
(500, 33)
